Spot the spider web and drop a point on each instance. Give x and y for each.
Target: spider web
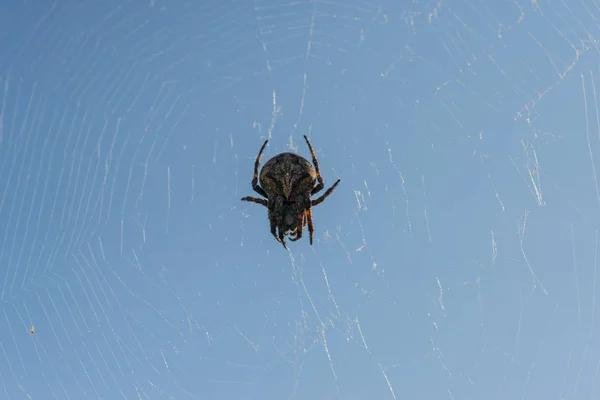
(457, 258)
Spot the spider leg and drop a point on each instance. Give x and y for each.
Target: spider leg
(255, 200)
(324, 196)
(281, 238)
(301, 223)
(294, 234)
(297, 236)
(311, 228)
(316, 164)
(277, 237)
(255, 185)
(274, 230)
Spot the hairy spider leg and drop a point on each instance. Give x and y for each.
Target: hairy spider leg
(311, 228)
(281, 237)
(297, 235)
(316, 164)
(255, 200)
(255, 185)
(327, 193)
(274, 228)
(299, 226)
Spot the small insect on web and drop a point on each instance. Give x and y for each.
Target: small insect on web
(288, 182)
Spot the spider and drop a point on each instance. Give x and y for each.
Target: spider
(288, 182)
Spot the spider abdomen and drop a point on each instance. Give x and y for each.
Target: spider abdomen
(287, 174)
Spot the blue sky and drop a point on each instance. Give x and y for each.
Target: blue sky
(456, 259)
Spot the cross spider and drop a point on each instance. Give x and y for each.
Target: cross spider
(288, 182)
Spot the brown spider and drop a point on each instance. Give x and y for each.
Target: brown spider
(288, 182)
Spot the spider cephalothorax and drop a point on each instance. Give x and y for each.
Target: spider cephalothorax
(288, 182)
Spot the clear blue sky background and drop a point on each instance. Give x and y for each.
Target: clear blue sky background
(456, 260)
